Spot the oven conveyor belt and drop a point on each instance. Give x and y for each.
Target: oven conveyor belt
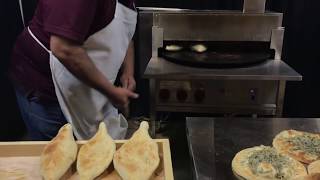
(216, 59)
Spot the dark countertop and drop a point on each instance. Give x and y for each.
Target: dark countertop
(213, 142)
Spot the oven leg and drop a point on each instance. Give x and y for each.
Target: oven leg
(280, 99)
(153, 113)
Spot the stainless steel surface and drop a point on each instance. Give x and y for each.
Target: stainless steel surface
(217, 96)
(280, 98)
(157, 40)
(143, 44)
(277, 42)
(214, 142)
(254, 6)
(153, 9)
(153, 113)
(270, 70)
(202, 154)
(223, 26)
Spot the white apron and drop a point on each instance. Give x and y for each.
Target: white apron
(83, 106)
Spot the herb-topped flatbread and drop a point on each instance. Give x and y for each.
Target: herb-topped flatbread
(263, 162)
(314, 167)
(302, 146)
(309, 177)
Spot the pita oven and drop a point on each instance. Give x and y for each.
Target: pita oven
(220, 62)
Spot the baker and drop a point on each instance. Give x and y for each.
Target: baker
(65, 62)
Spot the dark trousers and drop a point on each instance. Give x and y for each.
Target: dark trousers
(43, 121)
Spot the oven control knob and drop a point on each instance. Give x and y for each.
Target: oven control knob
(253, 94)
(199, 95)
(182, 95)
(164, 94)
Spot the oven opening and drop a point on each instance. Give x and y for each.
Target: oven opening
(216, 54)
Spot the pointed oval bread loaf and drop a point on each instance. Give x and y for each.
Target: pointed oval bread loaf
(59, 154)
(138, 158)
(96, 155)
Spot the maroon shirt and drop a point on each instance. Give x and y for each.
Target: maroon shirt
(72, 19)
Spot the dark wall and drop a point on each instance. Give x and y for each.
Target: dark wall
(11, 127)
(301, 51)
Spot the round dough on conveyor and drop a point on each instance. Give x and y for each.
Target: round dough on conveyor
(199, 48)
(302, 146)
(173, 48)
(265, 163)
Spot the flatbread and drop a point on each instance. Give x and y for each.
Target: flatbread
(309, 177)
(314, 167)
(138, 158)
(59, 154)
(302, 146)
(96, 155)
(265, 163)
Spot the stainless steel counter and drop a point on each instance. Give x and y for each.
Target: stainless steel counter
(269, 70)
(213, 142)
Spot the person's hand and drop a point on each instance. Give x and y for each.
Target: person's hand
(128, 82)
(120, 97)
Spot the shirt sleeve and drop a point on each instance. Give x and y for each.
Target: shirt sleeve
(70, 19)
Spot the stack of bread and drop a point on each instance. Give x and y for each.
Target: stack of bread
(136, 159)
(295, 155)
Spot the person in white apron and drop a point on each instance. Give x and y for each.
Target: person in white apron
(82, 105)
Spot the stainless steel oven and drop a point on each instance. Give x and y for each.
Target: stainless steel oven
(226, 62)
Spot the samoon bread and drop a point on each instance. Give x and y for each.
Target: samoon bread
(138, 158)
(59, 154)
(96, 155)
(111, 176)
(265, 163)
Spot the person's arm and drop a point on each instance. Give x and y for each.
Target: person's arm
(127, 77)
(76, 60)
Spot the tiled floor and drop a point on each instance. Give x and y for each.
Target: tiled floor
(175, 131)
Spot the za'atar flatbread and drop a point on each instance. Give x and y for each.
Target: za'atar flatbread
(314, 167)
(263, 162)
(302, 146)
